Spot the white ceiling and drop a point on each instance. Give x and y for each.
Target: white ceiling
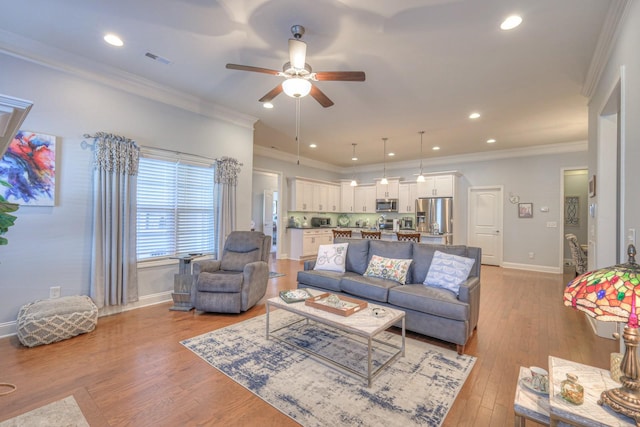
(428, 65)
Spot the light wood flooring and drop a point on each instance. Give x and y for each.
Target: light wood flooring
(132, 371)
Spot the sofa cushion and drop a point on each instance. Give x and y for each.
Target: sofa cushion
(357, 254)
(448, 271)
(332, 257)
(388, 268)
(397, 250)
(329, 280)
(371, 288)
(422, 256)
(222, 281)
(425, 299)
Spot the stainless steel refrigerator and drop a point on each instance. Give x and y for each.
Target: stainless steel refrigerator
(435, 215)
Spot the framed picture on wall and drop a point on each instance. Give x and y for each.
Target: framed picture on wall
(592, 186)
(525, 210)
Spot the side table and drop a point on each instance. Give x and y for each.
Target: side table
(182, 283)
(594, 381)
(529, 405)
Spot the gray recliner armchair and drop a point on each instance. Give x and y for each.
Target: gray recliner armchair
(238, 280)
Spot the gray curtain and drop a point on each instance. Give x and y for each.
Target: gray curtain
(114, 275)
(226, 180)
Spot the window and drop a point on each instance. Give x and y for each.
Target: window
(175, 208)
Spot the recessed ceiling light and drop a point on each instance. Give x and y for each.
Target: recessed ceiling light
(511, 22)
(491, 141)
(267, 105)
(391, 154)
(474, 115)
(436, 148)
(312, 145)
(113, 40)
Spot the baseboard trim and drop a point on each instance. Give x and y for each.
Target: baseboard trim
(11, 328)
(531, 267)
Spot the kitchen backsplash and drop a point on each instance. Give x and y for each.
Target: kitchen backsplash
(371, 218)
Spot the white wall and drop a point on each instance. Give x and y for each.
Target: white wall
(624, 55)
(50, 246)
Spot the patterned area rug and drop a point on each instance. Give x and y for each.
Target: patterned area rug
(417, 389)
(63, 413)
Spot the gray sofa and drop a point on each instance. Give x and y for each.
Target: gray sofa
(430, 311)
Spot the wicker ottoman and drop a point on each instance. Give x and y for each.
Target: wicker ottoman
(47, 321)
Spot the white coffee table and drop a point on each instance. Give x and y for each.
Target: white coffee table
(361, 323)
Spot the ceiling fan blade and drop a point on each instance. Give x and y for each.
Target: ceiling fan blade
(272, 94)
(345, 76)
(297, 53)
(254, 69)
(319, 96)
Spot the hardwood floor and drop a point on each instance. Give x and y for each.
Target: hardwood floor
(132, 370)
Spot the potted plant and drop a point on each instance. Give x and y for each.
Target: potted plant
(6, 219)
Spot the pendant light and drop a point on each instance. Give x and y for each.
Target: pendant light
(420, 177)
(354, 183)
(384, 181)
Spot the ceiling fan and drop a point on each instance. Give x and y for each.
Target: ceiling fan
(298, 74)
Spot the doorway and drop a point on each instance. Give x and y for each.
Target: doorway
(485, 222)
(574, 201)
(266, 207)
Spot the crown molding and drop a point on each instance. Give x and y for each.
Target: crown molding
(273, 153)
(542, 150)
(618, 10)
(51, 57)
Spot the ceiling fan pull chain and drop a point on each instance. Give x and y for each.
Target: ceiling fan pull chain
(298, 127)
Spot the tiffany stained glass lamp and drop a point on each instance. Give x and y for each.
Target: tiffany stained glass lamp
(611, 294)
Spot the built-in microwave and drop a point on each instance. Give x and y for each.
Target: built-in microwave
(387, 205)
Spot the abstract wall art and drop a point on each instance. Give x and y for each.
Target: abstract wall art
(29, 167)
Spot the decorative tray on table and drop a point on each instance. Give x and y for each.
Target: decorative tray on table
(295, 295)
(336, 304)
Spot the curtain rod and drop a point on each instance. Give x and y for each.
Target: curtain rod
(86, 145)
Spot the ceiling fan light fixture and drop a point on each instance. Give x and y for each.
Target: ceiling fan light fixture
(296, 87)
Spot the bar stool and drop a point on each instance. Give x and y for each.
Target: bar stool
(374, 235)
(408, 237)
(341, 233)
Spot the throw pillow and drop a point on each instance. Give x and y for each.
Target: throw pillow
(448, 271)
(388, 268)
(331, 257)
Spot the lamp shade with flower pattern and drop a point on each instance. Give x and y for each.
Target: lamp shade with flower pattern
(611, 295)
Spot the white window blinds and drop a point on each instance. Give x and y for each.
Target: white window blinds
(175, 209)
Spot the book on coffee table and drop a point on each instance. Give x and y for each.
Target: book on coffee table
(295, 295)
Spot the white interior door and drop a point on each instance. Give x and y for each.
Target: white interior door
(485, 223)
(267, 213)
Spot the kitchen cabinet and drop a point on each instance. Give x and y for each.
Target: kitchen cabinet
(407, 195)
(346, 197)
(301, 196)
(305, 243)
(364, 199)
(387, 191)
(436, 186)
(320, 197)
(310, 196)
(333, 199)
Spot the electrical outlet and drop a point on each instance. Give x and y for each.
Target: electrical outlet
(54, 292)
(532, 255)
